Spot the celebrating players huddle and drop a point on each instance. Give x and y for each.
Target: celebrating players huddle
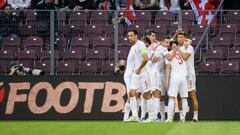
(157, 69)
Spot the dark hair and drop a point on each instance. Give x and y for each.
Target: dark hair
(149, 32)
(147, 40)
(182, 33)
(173, 42)
(134, 31)
(165, 37)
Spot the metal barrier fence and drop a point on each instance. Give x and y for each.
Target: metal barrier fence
(92, 42)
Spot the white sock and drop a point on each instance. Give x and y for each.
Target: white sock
(162, 108)
(184, 108)
(133, 104)
(180, 114)
(195, 115)
(127, 109)
(150, 107)
(143, 108)
(155, 107)
(171, 106)
(139, 103)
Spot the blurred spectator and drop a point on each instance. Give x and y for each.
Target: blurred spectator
(2, 4)
(19, 4)
(9, 22)
(105, 5)
(34, 3)
(63, 4)
(122, 4)
(185, 5)
(163, 4)
(146, 4)
(174, 5)
(43, 17)
(46, 5)
(83, 4)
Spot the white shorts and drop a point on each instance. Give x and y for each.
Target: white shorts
(191, 82)
(178, 85)
(155, 80)
(127, 79)
(162, 80)
(141, 83)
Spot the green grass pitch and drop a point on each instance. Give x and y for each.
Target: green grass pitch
(118, 128)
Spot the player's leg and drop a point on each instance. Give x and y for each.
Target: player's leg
(183, 92)
(127, 107)
(193, 96)
(179, 99)
(171, 109)
(133, 97)
(143, 109)
(156, 95)
(156, 104)
(162, 107)
(163, 92)
(147, 95)
(172, 93)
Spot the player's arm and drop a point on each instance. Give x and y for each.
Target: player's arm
(155, 59)
(184, 55)
(187, 42)
(144, 61)
(170, 56)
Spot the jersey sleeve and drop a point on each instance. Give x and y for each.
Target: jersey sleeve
(142, 49)
(189, 49)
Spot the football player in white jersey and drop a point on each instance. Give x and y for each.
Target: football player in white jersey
(156, 60)
(163, 67)
(128, 76)
(127, 79)
(140, 79)
(187, 53)
(177, 83)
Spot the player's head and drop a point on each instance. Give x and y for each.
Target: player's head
(173, 42)
(132, 36)
(181, 37)
(151, 35)
(166, 41)
(146, 41)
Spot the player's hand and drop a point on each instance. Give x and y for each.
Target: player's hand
(177, 31)
(166, 84)
(174, 47)
(187, 42)
(155, 59)
(137, 71)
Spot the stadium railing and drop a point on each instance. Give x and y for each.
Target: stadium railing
(92, 42)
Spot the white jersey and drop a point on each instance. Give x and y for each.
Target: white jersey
(178, 66)
(159, 52)
(130, 61)
(190, 60)
(140, 49)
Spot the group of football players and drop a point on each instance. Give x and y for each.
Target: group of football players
(157, 70)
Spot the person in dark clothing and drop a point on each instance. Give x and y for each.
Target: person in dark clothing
(9, 22)
(83, 4)
(43, 17)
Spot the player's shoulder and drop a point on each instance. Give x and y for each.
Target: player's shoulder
(191, 47)
(139, 42)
